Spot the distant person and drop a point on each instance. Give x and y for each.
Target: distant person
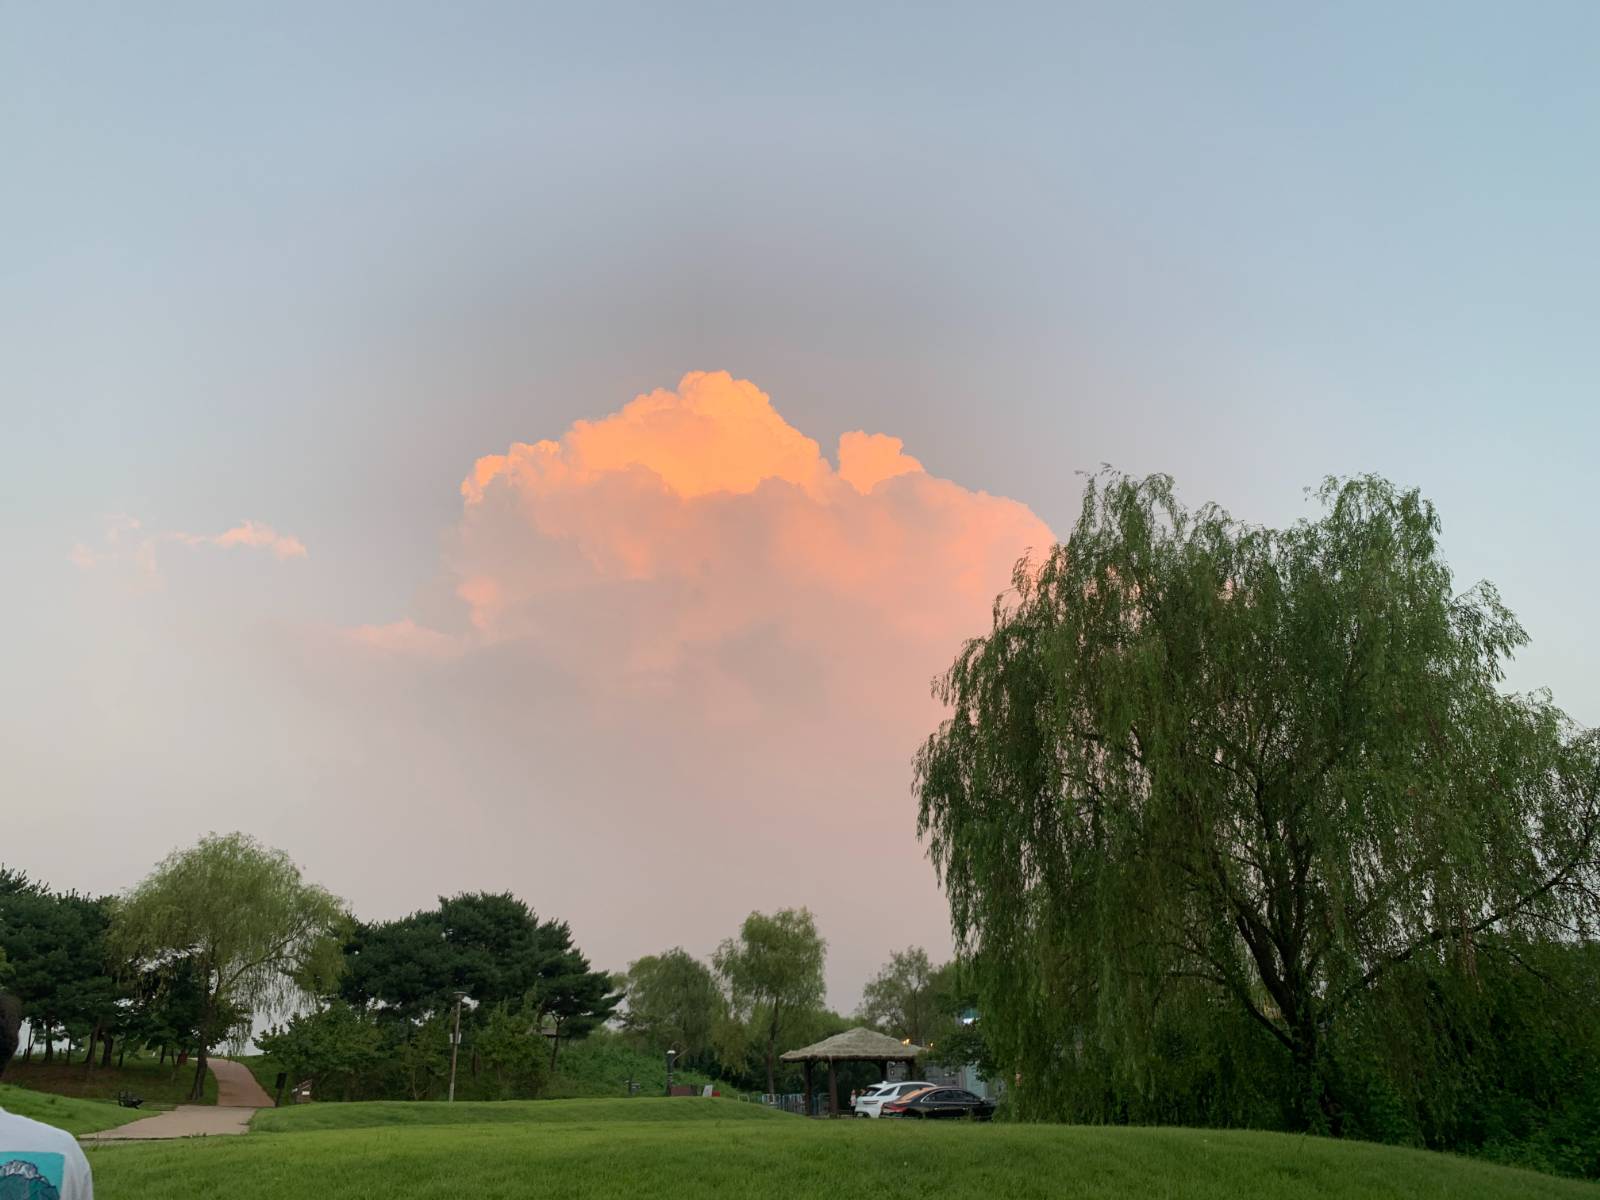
(36, 1159)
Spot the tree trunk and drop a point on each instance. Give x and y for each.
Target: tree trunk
(197, 1093)
(122, 1052)
(27, 1055)
(49, 1046)
(107, 1042)
(1315, 1107)
(555, 1044)
(772, 1050)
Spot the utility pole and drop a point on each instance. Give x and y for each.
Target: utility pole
(455, 1045)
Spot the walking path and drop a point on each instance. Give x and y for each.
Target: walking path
(238, 1097)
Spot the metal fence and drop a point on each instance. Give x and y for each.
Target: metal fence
(789, 1102)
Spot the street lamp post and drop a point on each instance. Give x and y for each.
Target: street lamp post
(455, 1045)
(671, 1057)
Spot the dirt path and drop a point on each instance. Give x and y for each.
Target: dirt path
(238, 1097)
(187, 1120)
(236, 1086)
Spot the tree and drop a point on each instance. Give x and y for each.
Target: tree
(58, 960)
(490, 945)
(774, 975)
(1195, 759)
(508, 1041)
(406, 967)
(905, 998)
(572, 999)
(338, 1046)
(673, 1003)
(240, 913)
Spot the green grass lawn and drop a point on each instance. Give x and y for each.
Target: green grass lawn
(64, 1112)
(641, 1110)
(156, 1083)
(654, 1147)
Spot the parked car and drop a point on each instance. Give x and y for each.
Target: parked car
(870, 1102)
(939, 1102)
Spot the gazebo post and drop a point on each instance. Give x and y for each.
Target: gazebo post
(833, 1091)
(808, 1087)
(883, 1070)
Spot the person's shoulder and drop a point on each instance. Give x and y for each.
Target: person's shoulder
(24, 1138)
(24, 1133)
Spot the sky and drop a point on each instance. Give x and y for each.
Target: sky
(553, 448)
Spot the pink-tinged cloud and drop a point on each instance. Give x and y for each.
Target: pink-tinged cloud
(406, 637)
(259, 536)
(126, 543)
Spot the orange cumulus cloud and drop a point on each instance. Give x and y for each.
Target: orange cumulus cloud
(695, 544)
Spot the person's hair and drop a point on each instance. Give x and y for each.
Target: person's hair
(10, 1028)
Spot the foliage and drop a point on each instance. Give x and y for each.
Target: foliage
(491, 946)
(1196, 761)
(606, 1062)
(598, 1149)
(773, 972)
(337, 1048)
(910, 998)
(569, 997)
(243, 919)
(673, 1003)
(58, 962)
(510, 1047)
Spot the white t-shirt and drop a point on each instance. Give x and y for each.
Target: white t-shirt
(45, 1156)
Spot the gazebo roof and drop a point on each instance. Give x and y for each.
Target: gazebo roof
(857, 1045)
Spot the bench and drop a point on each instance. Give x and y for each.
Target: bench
(129, 1100)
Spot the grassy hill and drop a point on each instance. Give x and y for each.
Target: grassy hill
(64, 1112)
(160, 1085)
(656, 1147)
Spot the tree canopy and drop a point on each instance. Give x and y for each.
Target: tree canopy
(911, 998)
(1197, 761)
(773, 970)
(673, 1003)
(238, 914)
(57, 961)
(490, 945)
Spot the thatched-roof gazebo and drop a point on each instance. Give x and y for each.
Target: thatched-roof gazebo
(853, 1045)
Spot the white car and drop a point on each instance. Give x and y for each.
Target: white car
(870, 1102)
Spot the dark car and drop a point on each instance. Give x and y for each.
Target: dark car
(936, 1102)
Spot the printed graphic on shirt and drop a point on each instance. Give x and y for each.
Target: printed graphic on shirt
(29, 1175)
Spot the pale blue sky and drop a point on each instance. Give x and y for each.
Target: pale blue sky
(304, 263)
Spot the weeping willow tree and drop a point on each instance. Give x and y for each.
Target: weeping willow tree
(1203, 770)
(239, 916)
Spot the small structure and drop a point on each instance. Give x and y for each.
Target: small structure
(853, 1045)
